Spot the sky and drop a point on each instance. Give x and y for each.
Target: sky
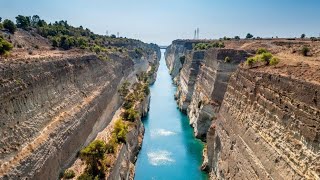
(162, 21)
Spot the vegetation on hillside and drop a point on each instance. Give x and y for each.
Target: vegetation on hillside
(5, 46)
(206, 46)
(249, 36)
(262, 56)
(64, 36)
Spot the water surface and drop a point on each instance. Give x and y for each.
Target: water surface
(169, 149)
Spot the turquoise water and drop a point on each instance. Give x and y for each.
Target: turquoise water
(169, 149)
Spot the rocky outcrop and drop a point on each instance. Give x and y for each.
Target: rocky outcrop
(51, 108)
(267, 128)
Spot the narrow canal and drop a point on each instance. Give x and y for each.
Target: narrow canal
(169, 149)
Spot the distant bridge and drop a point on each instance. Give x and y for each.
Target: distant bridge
(163, 47)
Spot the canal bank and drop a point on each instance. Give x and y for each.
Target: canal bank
(169, 150)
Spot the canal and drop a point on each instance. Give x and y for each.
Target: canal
(169, 149)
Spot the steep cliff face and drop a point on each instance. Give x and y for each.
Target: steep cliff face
(267, 128)
(173, 53)
(264, 122)
(124, 167)
(51, 108)
(211, 84)
(201, 77)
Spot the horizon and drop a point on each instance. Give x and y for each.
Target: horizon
(162, 22)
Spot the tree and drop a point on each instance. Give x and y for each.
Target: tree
(0, 19)
(303, 36)
(9, 25)
(23, 22)
(35, 20)
(237, 37)
(93, 155)
(249, 36)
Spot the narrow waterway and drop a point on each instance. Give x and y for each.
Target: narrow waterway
(169, 149)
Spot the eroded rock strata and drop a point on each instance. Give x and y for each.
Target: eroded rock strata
(267, 128)
(264, 122)
(53, 107)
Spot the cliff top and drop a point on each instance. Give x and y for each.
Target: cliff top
(293, 63)
(33, 38)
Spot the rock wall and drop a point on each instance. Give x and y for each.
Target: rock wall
(257, 125)
(210, 86)
(124, 167)
(51, 108)
(268, 128)
(201, 77)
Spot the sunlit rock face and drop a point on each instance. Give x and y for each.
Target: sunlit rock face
(257, 125)
(267, 128)
(53, 107)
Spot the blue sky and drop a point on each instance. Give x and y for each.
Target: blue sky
(163, 21)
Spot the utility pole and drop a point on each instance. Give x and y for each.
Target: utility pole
(195, 34)
(107, 33)
(198, 33)
(118, 34)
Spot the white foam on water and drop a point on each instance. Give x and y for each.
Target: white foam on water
(160, 157)
(162, 132)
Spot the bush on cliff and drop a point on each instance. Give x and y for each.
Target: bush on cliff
(5, 46)
(274, 61)
(93, 155)
(68, 174)
(261, 50)
(264, 57)
(206, 46)
(130, 114)
(124, 89)
(120, 131)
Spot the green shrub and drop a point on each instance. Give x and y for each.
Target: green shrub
(128, 103)
(120, 131)
(68, 174)
(265, 57)
(130, 114)
(237, 37)
(124, 89)
(97, 49)
(206, 46)
(5, 46)
(305, 50)
(227, 59)
(250, 61)
(110, 147)
(92, 155)
(86, 176)
(9, 25)
(302, 36)
(274, 61)
(138, 51)
(261, 50)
